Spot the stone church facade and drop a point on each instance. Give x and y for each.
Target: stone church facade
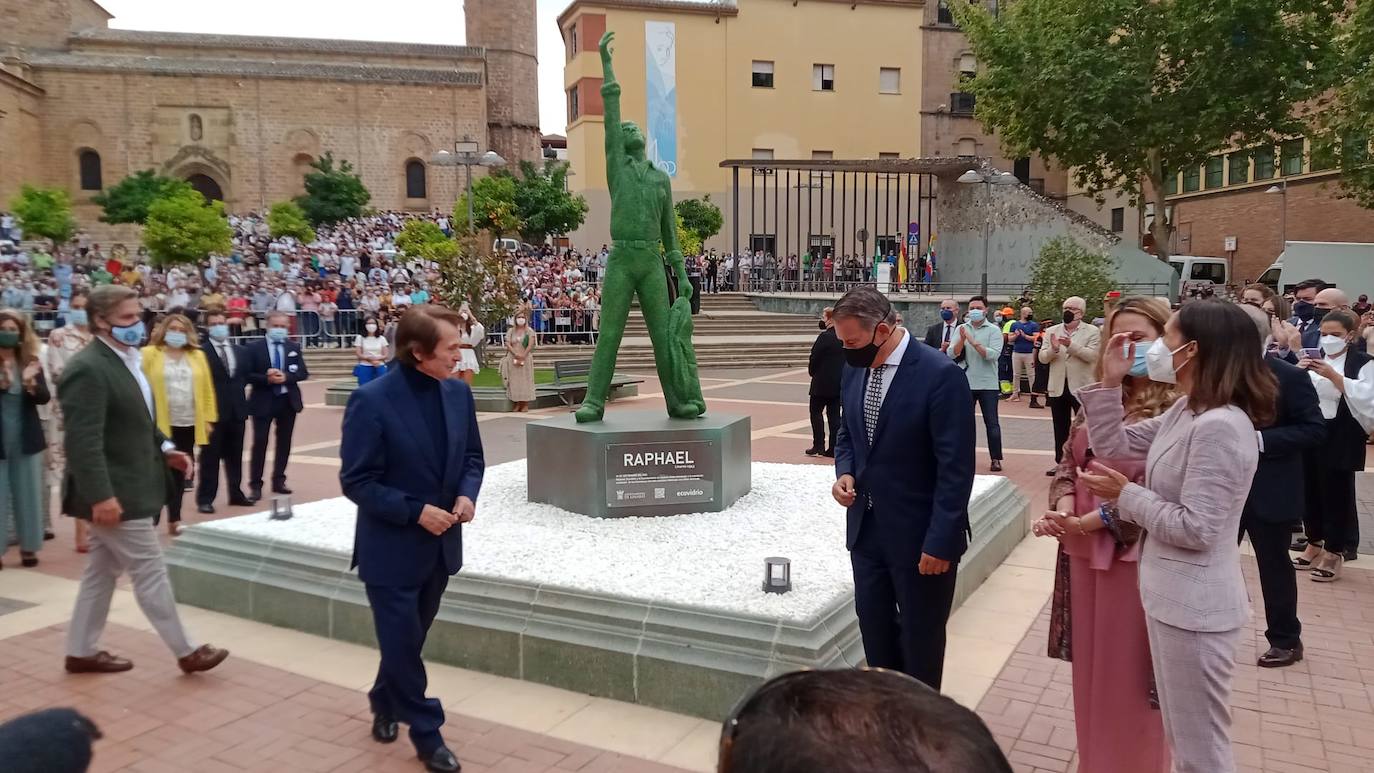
(242, 118)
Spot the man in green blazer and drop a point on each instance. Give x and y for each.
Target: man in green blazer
(117, 466)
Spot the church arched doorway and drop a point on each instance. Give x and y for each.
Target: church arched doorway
(207, 187)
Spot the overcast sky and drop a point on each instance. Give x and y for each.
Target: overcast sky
(410, 21)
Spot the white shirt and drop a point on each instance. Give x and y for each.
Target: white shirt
(181, 396)
(950, 332)
(133, 360)
(226, 356)
(893, 361)
(1359, 392)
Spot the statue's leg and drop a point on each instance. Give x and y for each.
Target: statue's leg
(653, 302)
(616, 290)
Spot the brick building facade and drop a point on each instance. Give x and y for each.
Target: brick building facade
(82, 106)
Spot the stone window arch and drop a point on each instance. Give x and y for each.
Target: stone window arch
(968, 146)
(197, 128)
(417, 186)
(300, 164)
(88, 167)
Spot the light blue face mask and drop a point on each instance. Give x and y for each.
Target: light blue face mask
(277, 334)
(129, 335)
(975, 315)
(77, 317)
(175, 339)
(1139, 368)
(219, 332)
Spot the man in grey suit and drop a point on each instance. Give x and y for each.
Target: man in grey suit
(117, 466)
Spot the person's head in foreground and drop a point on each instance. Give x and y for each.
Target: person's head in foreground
(855, 721)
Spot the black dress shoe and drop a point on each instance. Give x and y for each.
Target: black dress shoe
(996, 465)
(281, 490)
(207, 509)
(1351, 555)
(441, 760)
(828, 453)
(254, 496)
(1277, 657)
(384, 729)
(813, 451)
(240, 502)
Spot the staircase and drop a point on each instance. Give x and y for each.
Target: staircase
(728, 333)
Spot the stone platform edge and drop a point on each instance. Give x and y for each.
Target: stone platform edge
(688, 660)
(493, 399)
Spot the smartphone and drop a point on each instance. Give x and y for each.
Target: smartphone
(1313, 354)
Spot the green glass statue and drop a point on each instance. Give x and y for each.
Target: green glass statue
(643, 230)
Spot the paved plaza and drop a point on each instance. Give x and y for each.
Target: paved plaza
(291, 701)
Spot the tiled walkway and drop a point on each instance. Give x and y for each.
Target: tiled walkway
(1313, 716)
(248, 717)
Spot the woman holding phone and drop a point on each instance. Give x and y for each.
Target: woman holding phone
(1096, 619)
(1200, 459)
(1344, 379)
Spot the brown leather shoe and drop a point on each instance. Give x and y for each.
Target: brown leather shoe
(101, 662)
(203, 659)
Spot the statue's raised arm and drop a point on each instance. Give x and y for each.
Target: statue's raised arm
(610, 94)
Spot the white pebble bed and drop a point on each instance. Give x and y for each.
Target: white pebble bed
(703, 560)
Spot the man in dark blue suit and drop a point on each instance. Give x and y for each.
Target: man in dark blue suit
(275, 366)
(226, 438)
(413, 464)
(904, 467)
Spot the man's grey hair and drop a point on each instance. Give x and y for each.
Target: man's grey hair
(1260, 319)
(103, 300)
(867, 305)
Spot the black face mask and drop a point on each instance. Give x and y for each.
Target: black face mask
(863, 356)
(1319, 314)
(1069, 316)
(1303, 310)
(822, 325)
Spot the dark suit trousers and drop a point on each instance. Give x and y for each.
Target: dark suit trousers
(402, 617)
(284, 416)
(1278, 581)
(830, 408)
(1332, 513)
(987, 400)
(1062, 411)
(902, 613)
(226, 445)
(185, 440)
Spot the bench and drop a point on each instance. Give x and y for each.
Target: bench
(570, 380)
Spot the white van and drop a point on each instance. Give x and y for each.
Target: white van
(505, 245)
(1196, 273)
(1347, 265)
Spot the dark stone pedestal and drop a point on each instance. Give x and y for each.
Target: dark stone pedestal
(639, 463)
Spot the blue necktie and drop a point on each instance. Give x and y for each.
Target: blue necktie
(276, 363)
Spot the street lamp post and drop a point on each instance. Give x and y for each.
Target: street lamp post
(988, 177)
(1282, 190)
(465, 154)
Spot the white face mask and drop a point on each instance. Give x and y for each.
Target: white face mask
(1333, 345)
(1159, 362)
(371, 327)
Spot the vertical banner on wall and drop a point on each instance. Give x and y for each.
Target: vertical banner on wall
(660, 86)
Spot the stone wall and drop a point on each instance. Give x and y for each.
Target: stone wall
(1022, 222)
(507, 30)
(20, 134)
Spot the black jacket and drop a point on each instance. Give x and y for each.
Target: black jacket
(32, 441)
(1277, 494)
(257, 359)
(826, 364)
(229, 392)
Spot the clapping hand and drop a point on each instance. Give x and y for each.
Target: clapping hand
(31, 372)
(1117, 359)
(1104, 481)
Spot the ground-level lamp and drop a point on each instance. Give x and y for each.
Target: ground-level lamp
(281, 508)
(465, 154)
(1282, 190)
(777, 575)
(988, 177)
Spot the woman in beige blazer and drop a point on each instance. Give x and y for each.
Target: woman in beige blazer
(1200, 461)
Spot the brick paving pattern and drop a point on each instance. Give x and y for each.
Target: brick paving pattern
(248, 717)
(1313, 716)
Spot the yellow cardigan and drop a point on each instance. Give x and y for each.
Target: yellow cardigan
(207, 409)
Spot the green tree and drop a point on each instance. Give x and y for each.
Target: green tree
(701, 217)
(1125, 93)
(129, 199)
(332, 194)
(184, 228)
(485, 282)
(543, 203)
(493, 205)
(1346, 128)
(286, 218)
(45, 212)
(1064, 269)
(687, 239)
(419, 237)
